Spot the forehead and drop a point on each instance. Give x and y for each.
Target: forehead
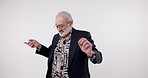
(60, 19)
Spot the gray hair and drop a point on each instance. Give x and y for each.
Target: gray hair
(67, 16)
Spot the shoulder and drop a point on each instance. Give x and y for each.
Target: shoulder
(81, 32)
(56, 36)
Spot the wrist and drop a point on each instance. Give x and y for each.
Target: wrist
(39, 47)
(91, 54)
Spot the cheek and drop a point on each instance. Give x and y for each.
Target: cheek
(63, 29)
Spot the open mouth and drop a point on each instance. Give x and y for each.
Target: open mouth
(61, 32)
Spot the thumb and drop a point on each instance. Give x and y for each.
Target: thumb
(80, 45)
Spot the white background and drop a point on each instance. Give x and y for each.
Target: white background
(118, 27)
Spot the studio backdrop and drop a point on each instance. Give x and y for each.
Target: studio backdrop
(118, 27)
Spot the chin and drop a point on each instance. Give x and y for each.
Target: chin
(63, 34)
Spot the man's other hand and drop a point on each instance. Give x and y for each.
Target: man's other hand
(85, 46)
(33, 43)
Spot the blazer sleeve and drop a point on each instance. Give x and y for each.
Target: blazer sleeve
(47, 51)
(44, 51)
(98, 55)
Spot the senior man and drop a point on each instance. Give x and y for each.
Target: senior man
(70, 50)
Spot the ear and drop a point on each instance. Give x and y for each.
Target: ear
(71, 23)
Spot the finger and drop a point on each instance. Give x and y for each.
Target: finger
(86, 46)
(25, 42)
(31, 40)
(85, 43)
(30, 44)
(81, 41)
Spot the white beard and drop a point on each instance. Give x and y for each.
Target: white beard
(65, 32)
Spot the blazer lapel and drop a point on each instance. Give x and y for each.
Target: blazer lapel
(73, 46)
(56, 39)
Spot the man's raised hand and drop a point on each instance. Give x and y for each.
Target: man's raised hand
(33, 43)
(85, 46)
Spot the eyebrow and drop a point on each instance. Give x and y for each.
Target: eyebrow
(59, 24)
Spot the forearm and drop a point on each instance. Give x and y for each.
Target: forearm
(97, 58)
(43, 50)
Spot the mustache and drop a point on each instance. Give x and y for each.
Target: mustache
(61, 31)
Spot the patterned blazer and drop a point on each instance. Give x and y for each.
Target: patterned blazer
(78, 60)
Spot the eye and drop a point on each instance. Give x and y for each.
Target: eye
(61, 26)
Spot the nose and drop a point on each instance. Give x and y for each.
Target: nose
(59, 29)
